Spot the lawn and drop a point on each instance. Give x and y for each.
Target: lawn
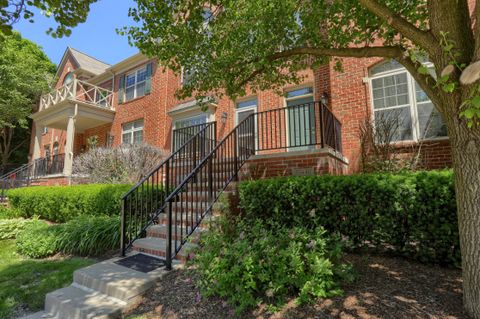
(24, 281)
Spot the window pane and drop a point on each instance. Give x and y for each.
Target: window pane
(141, 75)
(430, 121)
(390, 91)
(393, 125)
(301, 101)
(299, 92)
(248, 103)
(141, 89)
(130, 80)
(127, 138)
(127, 126)
(420, 95)
(130, 93)
(138, 124)
(386, 66)
(138, 137)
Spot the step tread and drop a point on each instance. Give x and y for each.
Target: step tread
(159, 244)
(114, 280)
(76, 302)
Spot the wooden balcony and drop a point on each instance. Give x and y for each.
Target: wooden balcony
(78, 91)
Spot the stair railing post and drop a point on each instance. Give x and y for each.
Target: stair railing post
(123, 229)
(322, 138)
(210, 179)
(235, 155)
(168, 250)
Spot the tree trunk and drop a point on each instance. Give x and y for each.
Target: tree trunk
(466, 163)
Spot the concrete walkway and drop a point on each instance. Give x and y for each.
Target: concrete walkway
(103, 290)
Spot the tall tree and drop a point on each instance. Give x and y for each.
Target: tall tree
(262, 43)
(68, 13)
(25, 72)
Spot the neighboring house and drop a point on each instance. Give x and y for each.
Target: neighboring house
(133, 101)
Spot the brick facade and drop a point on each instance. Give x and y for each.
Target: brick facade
(347, 94)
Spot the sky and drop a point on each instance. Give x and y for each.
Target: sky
(96, 37)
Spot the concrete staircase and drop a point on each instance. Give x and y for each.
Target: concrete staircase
(100, 291)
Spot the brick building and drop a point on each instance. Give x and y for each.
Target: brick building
(133, 101)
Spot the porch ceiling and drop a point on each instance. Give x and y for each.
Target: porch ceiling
(87, 116)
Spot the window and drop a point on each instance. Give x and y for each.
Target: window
(45, 130)
(135, 84)
(196, 120)
(132, 133)
(399, 103)
(68, 78)
(187, 76)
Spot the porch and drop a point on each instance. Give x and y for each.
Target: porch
(74, 108)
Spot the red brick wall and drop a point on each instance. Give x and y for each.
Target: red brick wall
(351, 103)
(304, 163)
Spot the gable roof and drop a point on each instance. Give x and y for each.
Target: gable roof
(84, 62)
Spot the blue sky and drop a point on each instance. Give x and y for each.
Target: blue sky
(96, 37)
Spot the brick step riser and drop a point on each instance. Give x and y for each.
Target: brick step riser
(160, 253)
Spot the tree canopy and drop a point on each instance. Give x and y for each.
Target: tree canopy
(68, 13)
(25, 72)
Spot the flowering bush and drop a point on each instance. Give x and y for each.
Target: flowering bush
(266, 262)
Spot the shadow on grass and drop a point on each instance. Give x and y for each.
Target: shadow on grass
(24, 282)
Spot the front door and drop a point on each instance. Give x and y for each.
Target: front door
(301, 119)
(244, 110)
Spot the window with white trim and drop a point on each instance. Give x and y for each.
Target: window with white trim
(397, 98)
(132, 132)
(135, 84)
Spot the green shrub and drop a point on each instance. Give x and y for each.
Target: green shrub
(8, 213)
(10, 228)
(38, 240)
(84, 235)
(63, 203)
(260, 262)
(90, 236)
(413, 214)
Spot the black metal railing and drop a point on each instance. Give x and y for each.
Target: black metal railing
(48, 166)
(300, 126)
(142, 204)
(188, 194)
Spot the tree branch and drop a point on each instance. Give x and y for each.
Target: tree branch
(392, 52)
(422, 38)
(425, 81)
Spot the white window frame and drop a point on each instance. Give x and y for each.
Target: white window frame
(413, 104)
(287, 123)
(135, 84)
(133, 130)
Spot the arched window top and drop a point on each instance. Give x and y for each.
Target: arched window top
(386, 66)
(68, 78)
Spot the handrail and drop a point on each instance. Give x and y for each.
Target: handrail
(141, 202)
(78, 90)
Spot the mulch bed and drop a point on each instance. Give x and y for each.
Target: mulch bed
(386, 287)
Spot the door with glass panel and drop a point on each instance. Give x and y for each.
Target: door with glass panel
(301, 119)
(186, 128)
(244, 110)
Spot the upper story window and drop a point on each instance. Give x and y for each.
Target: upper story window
(401, 105)
(45, 130)
(187, 76)
(132, 132)
(135, 84)
(68, 78)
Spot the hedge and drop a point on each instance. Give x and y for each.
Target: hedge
(63, 203)
(83, 236)
(412, 214)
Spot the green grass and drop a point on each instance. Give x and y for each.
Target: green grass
(25, 281)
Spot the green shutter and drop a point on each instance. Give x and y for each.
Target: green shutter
(148, 80)
(121, 89)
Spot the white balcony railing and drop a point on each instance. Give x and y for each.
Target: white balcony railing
(78, 91)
